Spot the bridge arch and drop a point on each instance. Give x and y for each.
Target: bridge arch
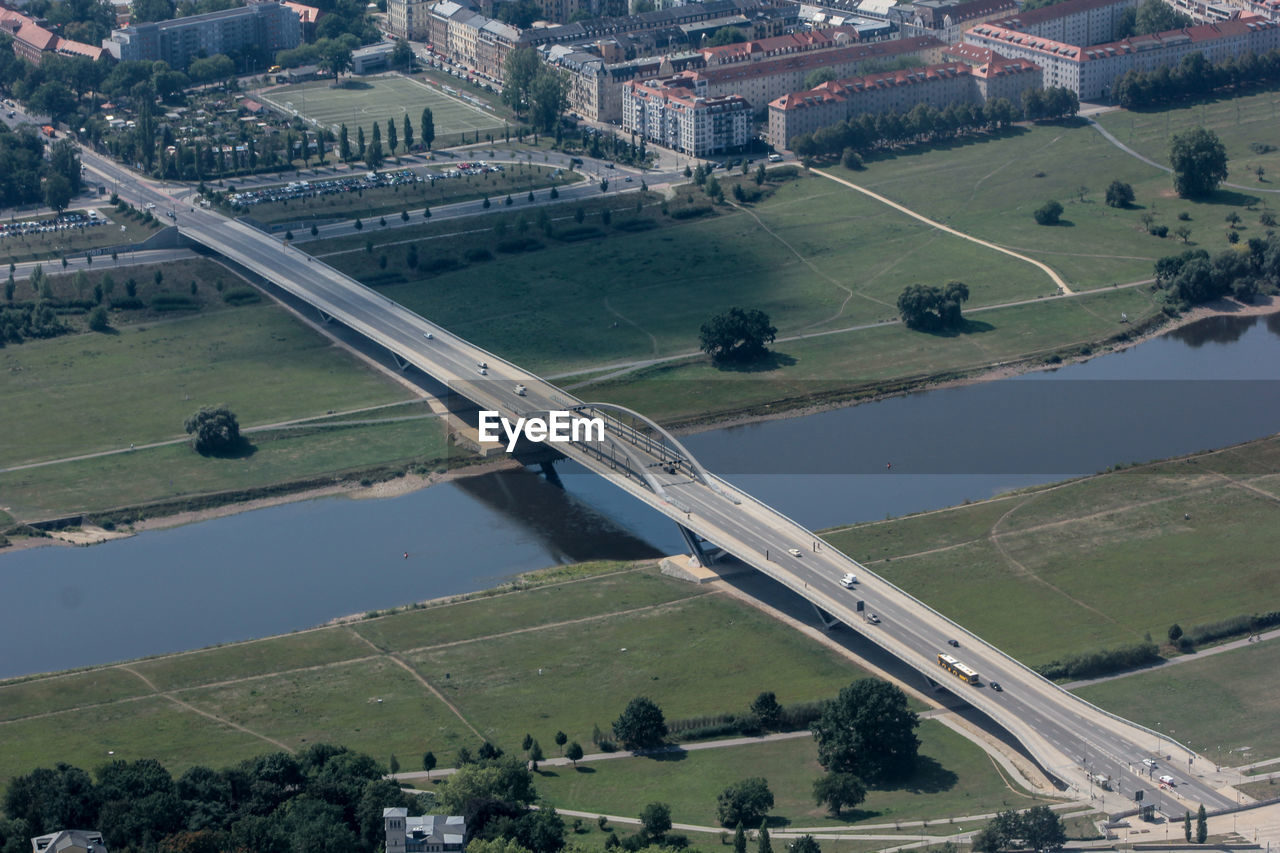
(635, 463)
(677, 449)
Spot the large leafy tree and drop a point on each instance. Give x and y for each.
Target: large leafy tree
(929, 308)
(214, 430)
(1199, 162)
(745, 802)
(519, 72)
(548, 98)
(737, 335)
(838, 791)
(641, 724)
(506, 779)
(869, 731)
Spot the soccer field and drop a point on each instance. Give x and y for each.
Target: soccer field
(361, 102)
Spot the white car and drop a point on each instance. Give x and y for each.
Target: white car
(484, 371)
(848, 580)
(873, 619)
(1150, 762)
(520, 390)
(795, 552)
(429, 336)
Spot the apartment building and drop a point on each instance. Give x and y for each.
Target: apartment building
(263, 27)
(595, 86)
(33, 42)
(1091, 70)
(972, 78)
(670, 113)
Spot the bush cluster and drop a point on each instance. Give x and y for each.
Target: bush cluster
(1101, 662)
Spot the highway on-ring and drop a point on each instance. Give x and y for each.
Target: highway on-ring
(1071, 739)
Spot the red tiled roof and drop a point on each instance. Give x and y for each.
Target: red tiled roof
(790, 42)
(810, 61)
(1242, 25)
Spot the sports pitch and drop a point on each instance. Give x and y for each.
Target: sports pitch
(361, 102)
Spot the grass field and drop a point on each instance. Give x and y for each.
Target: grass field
(955, 778)
(1239, 122)
(1096, 562)
(362, 102)
(257, 359)
(715, 654)
(1218, 705)
(990, 188)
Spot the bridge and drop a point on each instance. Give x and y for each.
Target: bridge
(1070, 738)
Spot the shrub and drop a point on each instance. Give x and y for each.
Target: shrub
(1160, 231)
(127, 303)
(242, 295)
(173, 302)
(98, 321)
(442, 263)
(636, 225)
(1101, 662)
(581, 232)
(691, 212)
(1049, 213)
(515, 245)
(475, 256)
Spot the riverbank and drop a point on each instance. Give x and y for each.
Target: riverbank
(98, 527)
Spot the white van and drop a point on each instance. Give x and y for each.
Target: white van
(1168, 780)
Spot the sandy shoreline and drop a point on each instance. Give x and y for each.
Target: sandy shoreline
(90, 535)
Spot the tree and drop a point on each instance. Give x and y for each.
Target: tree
(1049, 213)
(868, 730)
(548, 98)
(737, 335)
(1199, 162)
(427, 128)
(561, 739)
(1175, 632)
(214, 430)
(1202, 826)
(408, 132)
(763, 843)
(726, 35)
(519, 71)
(535, 755)
(767, 710)
(505, 779)
(574, 753)
(999, 833)
(740, 839)
(57, 192)
(850, 160)
(394, 764)
(656, 820)
(360, 146)
(804, 844)
(392, 141)
(335, 58)
(428, 762)
(402, 55)
(1186, 826)
(744, 802)
(1184, 233)
(1119, 194)
(1042, 830)
(641, 724)
(838, 791)
(373, 154)
(927, 308)
(814, 79)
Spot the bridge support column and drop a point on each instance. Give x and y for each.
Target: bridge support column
(695, 545)
(825, 619)
(549, 471)
(324, 318)
(400, 363)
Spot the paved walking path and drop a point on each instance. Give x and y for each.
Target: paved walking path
(1057, 279)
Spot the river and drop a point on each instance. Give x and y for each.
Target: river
(279, 569)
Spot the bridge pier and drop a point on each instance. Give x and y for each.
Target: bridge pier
(695, 545)
(549, 471)
(825, 619)
(325, 318)
(400, 363)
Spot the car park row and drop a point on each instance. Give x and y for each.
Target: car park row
(371, 180)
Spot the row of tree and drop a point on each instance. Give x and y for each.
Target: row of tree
(925, 122)
(1192, 277)
(29, 175)
(1194, 75)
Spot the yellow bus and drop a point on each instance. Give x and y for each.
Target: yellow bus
(957, 669)
(273, 69)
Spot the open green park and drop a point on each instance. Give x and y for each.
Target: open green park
(370, 100)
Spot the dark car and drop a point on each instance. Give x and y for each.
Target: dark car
(953, 643)
(995, 685)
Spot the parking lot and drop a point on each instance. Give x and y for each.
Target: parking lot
(75, 221)
(295, 190)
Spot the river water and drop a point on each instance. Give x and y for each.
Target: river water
(274, 570)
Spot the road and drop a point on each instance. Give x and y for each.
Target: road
(1070, 738)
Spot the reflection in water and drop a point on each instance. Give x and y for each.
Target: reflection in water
(570, 530)
(1217, 330)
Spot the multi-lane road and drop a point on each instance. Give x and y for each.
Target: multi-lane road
(1071, 739)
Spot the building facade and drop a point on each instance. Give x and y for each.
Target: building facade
(669, 113)
(1082, 22)
(263, 26)
(409, 19)
(964, 80)
(1090, 71)
(595, 86)
(33, 42)
(425, 834)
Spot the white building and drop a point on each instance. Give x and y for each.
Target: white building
(425, 834)
(670, 113)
